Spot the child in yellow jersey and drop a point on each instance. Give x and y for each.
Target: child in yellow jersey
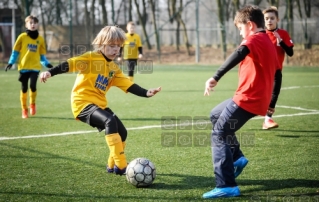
(96, 74)
(29, 49)
(133, 49)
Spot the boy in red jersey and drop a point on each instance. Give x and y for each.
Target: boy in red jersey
(97, 73)
(283, 43)
(252, 97)
(29, 50)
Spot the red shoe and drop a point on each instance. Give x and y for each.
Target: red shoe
(24, 113)
(32, 109)
(270, 124)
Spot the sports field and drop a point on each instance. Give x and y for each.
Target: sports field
(52, 157)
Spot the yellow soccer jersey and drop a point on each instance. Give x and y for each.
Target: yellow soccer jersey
(95, 77)
(131, 45)
(29, 52)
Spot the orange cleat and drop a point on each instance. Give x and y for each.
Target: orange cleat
(270, 124)
(32, 109)
(24, 113)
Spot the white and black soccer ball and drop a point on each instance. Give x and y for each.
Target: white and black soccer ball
(140, 172)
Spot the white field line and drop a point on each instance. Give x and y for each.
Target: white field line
(295, 87)
(310, 112)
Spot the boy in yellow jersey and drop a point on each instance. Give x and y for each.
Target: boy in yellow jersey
(96, 74)
(133, 49)
(29, 49)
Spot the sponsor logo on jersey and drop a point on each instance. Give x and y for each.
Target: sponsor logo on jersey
(32, 47)
(101, 82)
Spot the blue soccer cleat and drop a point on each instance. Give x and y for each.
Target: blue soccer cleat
(118, 171)
(239, 165)
(109, 170)
(222, 192)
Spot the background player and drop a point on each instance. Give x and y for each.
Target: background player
(29, 49)
(133, 49)
(283, 43)
(96, 74)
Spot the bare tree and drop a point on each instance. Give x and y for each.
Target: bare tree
(221, 18)
(58, 19)
(92, 18)
(158, 46)
(171, 12)
(43, 23)
(87, 22)
(290, 16)
(181, 21)
(141, 20)
(76, 12)
(113, 11)
(273, 2)
(307, 9)
(130, 8)
(104, 13)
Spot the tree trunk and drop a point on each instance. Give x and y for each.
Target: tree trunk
(76, 12)
(307, 7)
(118, 13)
(222, 24)
(130, 18)
(92, 24)
(58, 12)
(43, 25)
(308, 44)
(142, 24)
(104, 13)
(257, 2)
(158, 46)
(180, 20)
(290, 17)
(113, 12)
(171, 8)
(273, 2)
(87, 22)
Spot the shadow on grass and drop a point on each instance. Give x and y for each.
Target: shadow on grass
(44, 155)
(193, 182)
(181, 182)
(298, 131)
(142, 119)
(284, 130)
(262, 190)
(46, 117)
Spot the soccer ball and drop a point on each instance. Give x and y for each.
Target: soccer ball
(140, 172)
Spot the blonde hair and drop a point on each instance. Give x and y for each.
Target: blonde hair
(108, 35)
(130, 23)
(31, 17)
(271, 9)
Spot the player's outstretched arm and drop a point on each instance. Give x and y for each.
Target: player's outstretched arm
(209, 85)
(151, 92)
(44, 76)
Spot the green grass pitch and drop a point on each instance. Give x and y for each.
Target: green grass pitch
(52, 157)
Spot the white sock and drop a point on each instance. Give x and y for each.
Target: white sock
(267, 118)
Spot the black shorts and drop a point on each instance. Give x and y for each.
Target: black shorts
(97, 118)
(24, 77)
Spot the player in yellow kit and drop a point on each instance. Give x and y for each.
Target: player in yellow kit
(133, 49)
(29, 49)
(96, 74)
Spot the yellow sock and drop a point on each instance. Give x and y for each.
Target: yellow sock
(33, 96)
(23, 100)
(116, 150)
(110, 161)
(131, 78)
